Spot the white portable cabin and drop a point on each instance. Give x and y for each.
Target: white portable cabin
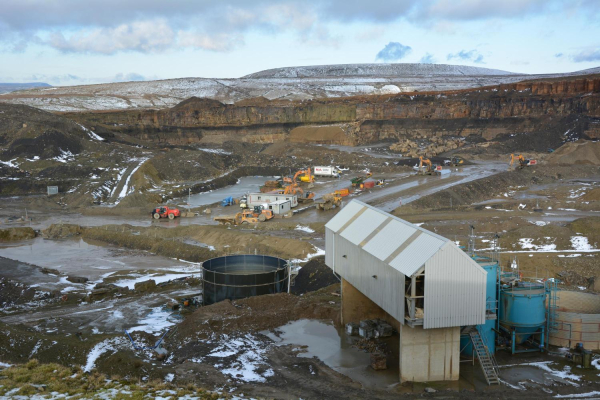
(280, 207)
(257, 199)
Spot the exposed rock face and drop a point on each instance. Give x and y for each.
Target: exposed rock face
(488, 112)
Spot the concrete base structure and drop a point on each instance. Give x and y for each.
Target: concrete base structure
(425, 354)
(429, 354)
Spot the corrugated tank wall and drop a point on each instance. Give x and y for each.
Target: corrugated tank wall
(455, 289)
(578, 319)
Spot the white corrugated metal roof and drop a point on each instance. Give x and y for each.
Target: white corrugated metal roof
(345, 214)
(410, 245)
(414, 256)
(363, 226)
(386, 241)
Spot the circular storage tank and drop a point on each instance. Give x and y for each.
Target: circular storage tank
(240, 276)
(523, 308)
(577, 320)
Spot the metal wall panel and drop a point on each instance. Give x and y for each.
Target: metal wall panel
(416, 254)
(389, 239)
(455, 289)
(344, 215)
(386, 289)
(329, 248)
(363, 226)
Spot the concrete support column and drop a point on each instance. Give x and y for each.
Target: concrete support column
(429, 354)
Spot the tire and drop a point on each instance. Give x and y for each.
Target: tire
(156, 216)
(262, 218)
(244, 222)
(171, 216)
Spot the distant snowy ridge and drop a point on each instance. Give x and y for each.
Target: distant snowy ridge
(387, 70)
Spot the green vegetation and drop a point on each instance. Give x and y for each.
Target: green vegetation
(34, 378)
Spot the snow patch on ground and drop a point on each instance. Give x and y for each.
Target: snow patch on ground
(319, 252)
(249, 363)
(108, 345)
(157, 320)
(539, 223)
(527, 243)
(125, 190)
(158, 278)
(91, 134)
(10, 163)
(64, 157)
(580, 243)
(215, 151)
(577, 395)
(304, 229)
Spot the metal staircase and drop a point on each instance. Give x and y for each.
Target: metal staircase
(486, 360)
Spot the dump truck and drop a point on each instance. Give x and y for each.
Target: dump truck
(248, 216)
(329, 201)
(165, 212)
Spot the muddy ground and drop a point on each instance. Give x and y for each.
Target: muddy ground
(80, 268)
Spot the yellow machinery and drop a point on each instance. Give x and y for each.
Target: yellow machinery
(329, 201)
(428, 165)
(304, 174)
(522, 161)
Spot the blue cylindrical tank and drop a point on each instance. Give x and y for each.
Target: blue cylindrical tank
(523, 308)
(486, 330)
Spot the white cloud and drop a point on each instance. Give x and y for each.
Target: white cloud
(218, 42)
(143, 36)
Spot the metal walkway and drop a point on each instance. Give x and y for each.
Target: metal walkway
(486, 360)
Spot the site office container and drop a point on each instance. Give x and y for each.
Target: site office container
(257, 199)
(326, 171)
(280, 207)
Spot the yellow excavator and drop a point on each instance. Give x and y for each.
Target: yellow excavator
(522, 161)
(304, 174)
(429, 167)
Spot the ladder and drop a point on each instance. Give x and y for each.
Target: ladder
(552, 289)
(486, 360)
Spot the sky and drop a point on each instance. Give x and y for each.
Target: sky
(70, 42)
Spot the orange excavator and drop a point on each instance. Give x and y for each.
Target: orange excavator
(303, 197)
(427, 163)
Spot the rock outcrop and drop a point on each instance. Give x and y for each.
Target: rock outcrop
(489, 112)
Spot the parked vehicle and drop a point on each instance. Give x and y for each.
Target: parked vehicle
(165, 212)
(327, 171)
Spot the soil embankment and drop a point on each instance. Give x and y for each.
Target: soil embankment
(576, 153)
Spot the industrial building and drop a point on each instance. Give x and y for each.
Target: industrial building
(419, 282)
(444, 302)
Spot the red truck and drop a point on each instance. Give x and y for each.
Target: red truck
(165, 212)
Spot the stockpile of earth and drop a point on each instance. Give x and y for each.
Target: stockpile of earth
(314, 276)
(580, 152)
